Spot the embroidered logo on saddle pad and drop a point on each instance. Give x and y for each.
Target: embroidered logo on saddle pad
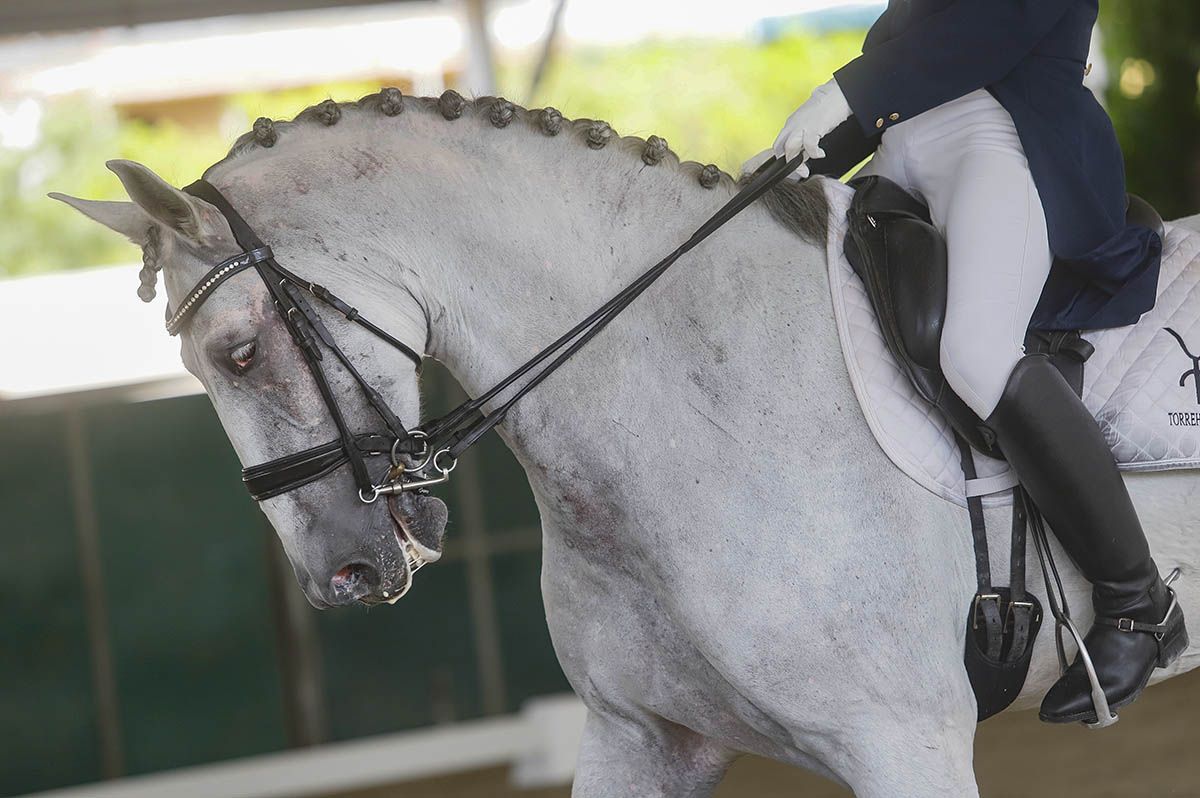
(1194, 372)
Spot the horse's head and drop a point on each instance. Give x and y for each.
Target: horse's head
(341, 548)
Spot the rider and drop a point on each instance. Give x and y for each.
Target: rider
(978, 107)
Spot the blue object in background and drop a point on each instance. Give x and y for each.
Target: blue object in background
(827, 20)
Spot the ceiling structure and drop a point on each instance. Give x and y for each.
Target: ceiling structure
(47, 16)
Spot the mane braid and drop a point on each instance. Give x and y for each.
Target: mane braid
(800, 206)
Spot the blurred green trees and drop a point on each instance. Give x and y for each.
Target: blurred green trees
(76, 137)
(718, 102)
(1153, 48)
(713, 101)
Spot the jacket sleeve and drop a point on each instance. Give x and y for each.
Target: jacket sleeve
(846, 146)
(966, 46)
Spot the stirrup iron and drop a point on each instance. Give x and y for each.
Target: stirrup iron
(1057, 598)
(1105, 717)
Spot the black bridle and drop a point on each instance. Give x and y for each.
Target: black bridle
(434, 448)
(302, 321)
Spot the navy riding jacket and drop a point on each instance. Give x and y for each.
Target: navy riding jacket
(1031, 55)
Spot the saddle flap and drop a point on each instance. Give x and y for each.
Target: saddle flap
(920, 294)
(901, 258)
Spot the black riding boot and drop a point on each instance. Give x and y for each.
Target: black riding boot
(1062, 459)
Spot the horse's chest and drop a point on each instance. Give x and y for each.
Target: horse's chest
(619, 646)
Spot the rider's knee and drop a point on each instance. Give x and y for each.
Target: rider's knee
(977, 367)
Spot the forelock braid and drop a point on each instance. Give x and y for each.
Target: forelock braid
(150, 265)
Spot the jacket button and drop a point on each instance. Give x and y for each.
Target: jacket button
(879, 122)
(894, 117)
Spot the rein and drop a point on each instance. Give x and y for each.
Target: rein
(436, 445)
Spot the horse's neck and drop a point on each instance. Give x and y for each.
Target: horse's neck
(505, 239)
(548, 246)
(710, 341)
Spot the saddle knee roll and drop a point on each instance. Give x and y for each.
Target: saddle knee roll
(901, 258)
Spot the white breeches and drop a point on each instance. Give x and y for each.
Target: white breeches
(965, 160)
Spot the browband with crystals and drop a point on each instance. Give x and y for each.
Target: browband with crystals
(217, 275)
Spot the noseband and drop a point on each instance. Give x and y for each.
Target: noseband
(433, 448)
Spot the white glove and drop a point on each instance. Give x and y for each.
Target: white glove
(802, 133)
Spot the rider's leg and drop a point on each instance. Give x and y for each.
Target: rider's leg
(1064, 462)
(999, 257)
(979, 185)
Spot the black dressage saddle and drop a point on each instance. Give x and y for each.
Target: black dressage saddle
(901, 259)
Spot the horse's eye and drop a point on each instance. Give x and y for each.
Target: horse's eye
(243, 355)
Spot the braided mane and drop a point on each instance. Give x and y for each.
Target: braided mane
(800, 206)
(789, 198)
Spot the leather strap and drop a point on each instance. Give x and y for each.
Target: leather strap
(463, 426)
(270, 479)
(209, 282)
(986, 486)
(987, 599)
(306, 328)
(351, 313)
(1016, 565)
(1132, 625)
(1019, 617)
(1016, 620)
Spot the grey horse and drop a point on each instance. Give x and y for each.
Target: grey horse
(731, 564)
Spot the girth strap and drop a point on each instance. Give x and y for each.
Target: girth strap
(1002, 621)
(1004, 614)
(986, 605)
(1019, 618)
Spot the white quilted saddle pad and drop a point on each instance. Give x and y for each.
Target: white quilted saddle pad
(1141, 383)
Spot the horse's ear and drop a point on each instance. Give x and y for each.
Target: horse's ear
(125, 218)
(190, 217)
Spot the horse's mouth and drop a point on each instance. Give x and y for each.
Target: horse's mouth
(419, 523)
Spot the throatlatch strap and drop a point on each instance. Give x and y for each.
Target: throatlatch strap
(351, 313)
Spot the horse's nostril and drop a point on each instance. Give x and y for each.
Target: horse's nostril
(354, 581)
